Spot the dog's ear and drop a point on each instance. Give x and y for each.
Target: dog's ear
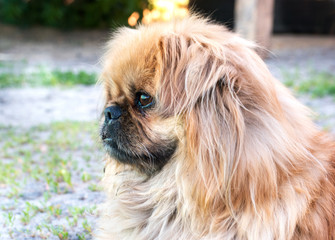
(199, 82)
(221, 87)
(189, 69)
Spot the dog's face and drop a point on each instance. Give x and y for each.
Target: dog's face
(135, 130)
(188, 83)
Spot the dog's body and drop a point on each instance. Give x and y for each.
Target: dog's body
(203, 143)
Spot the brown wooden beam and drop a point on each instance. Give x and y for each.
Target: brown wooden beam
(254, 20)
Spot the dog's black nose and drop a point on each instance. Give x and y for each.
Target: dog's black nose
(112, 113)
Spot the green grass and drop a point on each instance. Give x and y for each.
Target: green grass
(62, 157)
(318, 84)
(34, 153)
(58, 231)
(47, 78)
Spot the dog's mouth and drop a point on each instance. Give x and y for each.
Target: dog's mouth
(148, 162)
(146, 155)
(118, 152)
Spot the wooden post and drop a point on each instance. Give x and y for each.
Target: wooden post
(254, 20)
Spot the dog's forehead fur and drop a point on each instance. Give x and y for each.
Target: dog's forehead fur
(124, 71)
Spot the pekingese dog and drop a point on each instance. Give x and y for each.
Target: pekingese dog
(203, 143)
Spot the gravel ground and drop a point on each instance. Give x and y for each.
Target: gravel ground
(303, 60)
(25, 109)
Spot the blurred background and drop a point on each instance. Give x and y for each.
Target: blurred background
(51, 161)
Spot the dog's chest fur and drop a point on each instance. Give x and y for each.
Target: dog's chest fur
(145, 209)
(140, 208)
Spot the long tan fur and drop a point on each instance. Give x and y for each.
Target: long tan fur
(250, 164)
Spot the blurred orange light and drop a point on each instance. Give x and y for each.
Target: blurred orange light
(132, 20)
(162, 10)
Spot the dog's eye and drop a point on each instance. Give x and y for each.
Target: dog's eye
(143, 100)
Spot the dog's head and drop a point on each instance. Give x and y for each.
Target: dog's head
(195, 110)
(191, 86)
(135, 130)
